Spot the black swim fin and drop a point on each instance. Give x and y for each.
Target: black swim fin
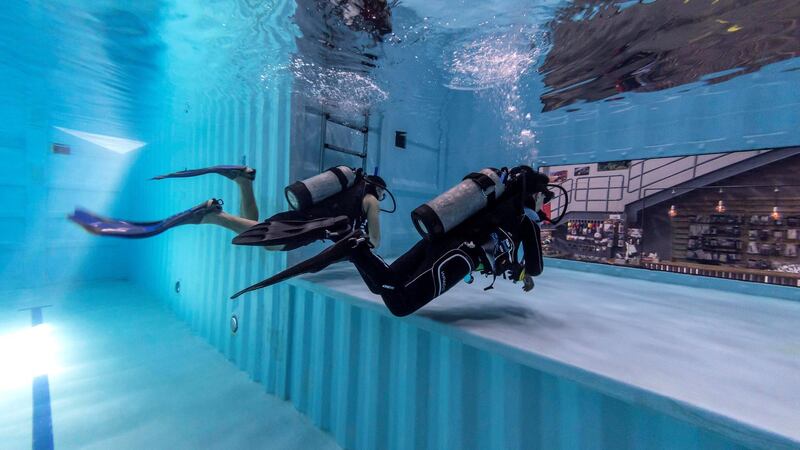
(333, 254)
(230, 172)
(290, 232)
(105, 226)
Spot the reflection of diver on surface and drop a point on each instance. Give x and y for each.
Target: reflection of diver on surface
(372, 16)
(348, 198)
(479, 225)
(601, 48)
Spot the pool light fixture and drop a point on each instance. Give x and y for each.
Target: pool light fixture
(26, 354)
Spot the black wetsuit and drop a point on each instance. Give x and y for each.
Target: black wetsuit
(429, 269)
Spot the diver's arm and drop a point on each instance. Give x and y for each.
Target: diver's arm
(527, 238)
(532, 247)
(519, 270)
(372, 209)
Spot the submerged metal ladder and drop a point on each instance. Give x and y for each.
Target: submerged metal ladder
(324, 145)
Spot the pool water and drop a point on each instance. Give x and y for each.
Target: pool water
(100, 347)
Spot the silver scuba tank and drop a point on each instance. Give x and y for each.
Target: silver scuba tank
(305, 193)
(440, 215)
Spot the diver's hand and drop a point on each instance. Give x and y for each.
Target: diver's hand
(515, 273)
(527, 283)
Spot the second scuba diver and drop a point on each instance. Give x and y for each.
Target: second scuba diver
(352, 201)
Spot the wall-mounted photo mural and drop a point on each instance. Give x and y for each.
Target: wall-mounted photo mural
(732, 215)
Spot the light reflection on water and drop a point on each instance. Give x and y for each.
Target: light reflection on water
(347, 91)
(491, 59)
(522, 57)
(495, 64)
(491, 48)
(603, 48)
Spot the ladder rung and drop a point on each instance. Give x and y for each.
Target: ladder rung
(330, 118)
(345, 150)
(363, 130)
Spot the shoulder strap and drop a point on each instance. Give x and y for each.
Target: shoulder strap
(485, 183)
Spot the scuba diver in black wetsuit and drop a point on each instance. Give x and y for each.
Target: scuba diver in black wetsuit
(487, 242)
(343, 198)
(479, 225)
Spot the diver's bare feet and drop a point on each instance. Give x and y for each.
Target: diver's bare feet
(213, 210)
(246, 176)
(248, 210)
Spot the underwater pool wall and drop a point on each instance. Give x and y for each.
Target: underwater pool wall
(47, 167)
(193, 268)
(375, 381)
(414, 174)
(38, 245)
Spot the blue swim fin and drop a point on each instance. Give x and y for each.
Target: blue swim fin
(227, 171)
(104, 226)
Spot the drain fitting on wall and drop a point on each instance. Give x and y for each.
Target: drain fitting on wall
(234, 324)
(400, 139)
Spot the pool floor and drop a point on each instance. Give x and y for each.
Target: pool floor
(123, 372)
(727, 360)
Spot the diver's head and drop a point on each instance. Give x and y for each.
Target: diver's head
(376, 186)
(534, 181)
(534, 184)
(377, 16)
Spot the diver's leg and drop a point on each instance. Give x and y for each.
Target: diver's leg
(373, 270)
(233, 223)
(404, 291)
(413, 259)
(249, 209)
(437, 276)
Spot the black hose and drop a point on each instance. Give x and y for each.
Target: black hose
(394, 201)
(566, 203)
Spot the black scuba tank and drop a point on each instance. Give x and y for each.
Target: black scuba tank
(440, 215)
(305, 193)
